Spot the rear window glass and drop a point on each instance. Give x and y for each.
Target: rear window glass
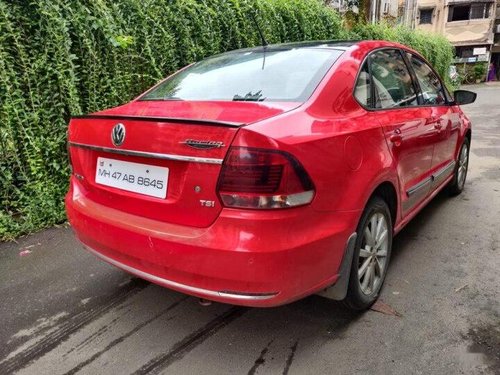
(261, 75)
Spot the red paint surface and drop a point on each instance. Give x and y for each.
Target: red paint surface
(345, 149)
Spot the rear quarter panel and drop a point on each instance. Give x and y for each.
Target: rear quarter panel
(340, 144)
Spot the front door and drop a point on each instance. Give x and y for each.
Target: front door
(440, 116)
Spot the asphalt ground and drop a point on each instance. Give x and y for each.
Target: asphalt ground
(63, 311)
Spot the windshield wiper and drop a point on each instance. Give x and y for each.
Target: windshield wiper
(249, 97)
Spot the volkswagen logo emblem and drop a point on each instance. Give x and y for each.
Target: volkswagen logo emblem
(118, 134)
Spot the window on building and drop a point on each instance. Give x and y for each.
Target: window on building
(459, 13)
(469, 12)
(464, 51)
(481, 10)
(426, 16)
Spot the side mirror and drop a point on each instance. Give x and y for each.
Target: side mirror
(464, 97)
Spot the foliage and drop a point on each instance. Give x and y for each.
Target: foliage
(470, 73)
(480, 71)
(60, 58)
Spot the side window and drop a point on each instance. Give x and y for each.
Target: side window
(432, 91)
(362, 92)
(392, 80)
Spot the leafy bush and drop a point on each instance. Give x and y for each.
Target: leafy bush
(60, 58)
(480, 71)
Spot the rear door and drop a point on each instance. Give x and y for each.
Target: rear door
(408, 133)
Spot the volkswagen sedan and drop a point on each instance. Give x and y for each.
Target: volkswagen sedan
(263, 175)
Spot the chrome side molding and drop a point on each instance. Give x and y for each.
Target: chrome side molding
(435, 178)
(415, 188)
(443, 172)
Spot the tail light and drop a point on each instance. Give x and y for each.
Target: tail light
(263, 179)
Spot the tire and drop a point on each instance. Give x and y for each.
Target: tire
(457, 184)
(369, 259)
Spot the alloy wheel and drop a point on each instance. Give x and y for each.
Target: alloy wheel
(373, 253)
(463, 161)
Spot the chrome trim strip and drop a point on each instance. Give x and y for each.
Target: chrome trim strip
(417, 187)
(443, 170)
(414, 189)
(183, 287)
(144, 154)
(247, 297)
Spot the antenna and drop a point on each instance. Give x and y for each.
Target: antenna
(263, 40)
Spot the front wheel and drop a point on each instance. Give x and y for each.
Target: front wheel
(371, 255)
(457, 183)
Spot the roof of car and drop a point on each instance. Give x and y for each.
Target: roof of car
(342, 45)
(334, 44)
(337, 44)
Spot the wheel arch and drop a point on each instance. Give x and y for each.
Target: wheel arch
(387, 191)
(468, 134)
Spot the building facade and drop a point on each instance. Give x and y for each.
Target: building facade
(495, 49)
(473, 27)
(469, 25)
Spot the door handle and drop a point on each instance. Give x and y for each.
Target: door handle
(396, 137)
(438, 125)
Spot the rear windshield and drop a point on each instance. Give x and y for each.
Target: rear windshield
(272, 75)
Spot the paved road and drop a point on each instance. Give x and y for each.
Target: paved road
(64, 311)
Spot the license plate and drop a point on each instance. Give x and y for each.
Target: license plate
(139, 178)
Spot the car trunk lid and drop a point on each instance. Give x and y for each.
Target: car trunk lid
(180, 144)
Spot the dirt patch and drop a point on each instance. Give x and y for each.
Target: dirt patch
(485, 339)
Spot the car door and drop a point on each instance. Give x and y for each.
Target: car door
(434, 101)
(408, 134)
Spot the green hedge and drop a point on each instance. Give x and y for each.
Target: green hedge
(66, 57)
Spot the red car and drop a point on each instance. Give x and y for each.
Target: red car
(263, 175)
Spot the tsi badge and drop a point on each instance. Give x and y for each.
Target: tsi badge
(205, 203)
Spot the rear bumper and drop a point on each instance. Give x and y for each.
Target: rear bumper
(251, 258)
(182, 287)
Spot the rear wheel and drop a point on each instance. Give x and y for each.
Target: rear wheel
(371, 255)
(457, 183)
